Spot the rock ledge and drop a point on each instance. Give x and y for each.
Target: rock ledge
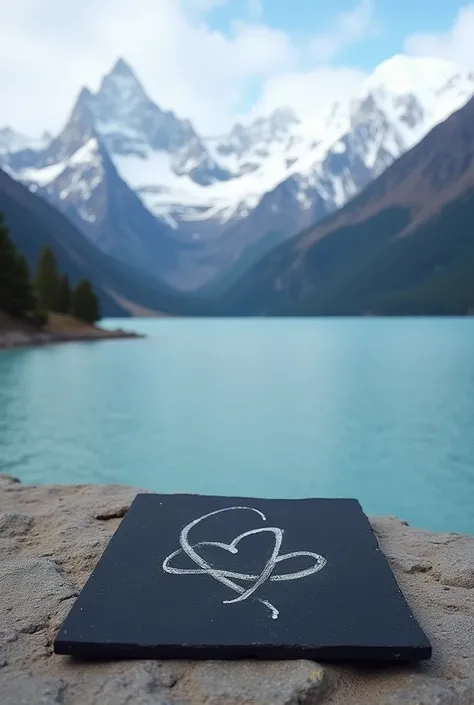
(51, 538)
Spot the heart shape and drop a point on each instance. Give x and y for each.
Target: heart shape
(227, 577)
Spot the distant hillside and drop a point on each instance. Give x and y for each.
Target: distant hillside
(405, 245)
(33, 223)
(429, 272)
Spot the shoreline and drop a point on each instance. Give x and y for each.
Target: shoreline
(14, 340)
(15, 335)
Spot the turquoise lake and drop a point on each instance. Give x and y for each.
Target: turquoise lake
(378, 409)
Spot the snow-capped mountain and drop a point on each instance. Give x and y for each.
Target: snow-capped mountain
(337, 153)
(76, 174)
(210, 202)
(348, 144)
(11, 141)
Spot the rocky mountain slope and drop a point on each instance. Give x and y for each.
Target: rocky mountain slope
(142, 184)
(404, 245)
(123, 290)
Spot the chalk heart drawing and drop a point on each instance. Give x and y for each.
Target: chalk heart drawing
(228, 577)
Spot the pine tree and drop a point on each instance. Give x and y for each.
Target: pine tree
(64, 296)
(85, 303)
(47, 281)
(7, 266)
(23, 300)
(16, 291)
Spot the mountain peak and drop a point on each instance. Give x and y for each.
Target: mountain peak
(83, 100)
(420, 74)
(419, 90)
(82, 107)
(126, 118)
(122, 68)
(8, 133)
(121, 85)
(285, 113)
(282, 118)
(11, 140)
(84, 94)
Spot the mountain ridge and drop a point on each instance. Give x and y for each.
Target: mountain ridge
(207, 208)
(406, 230)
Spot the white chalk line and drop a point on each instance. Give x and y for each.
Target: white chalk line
(225, 576)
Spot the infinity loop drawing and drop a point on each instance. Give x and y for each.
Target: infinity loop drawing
(228, 577)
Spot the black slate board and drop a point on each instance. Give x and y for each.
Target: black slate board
(148, 598)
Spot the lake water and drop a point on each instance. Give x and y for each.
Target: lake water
(378, 409)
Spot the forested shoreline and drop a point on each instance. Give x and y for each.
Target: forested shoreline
(32, 297)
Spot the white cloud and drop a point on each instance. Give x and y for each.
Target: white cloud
(184, 64)
(456, 44)
(350, 27)
(306, 92)
(50, 49)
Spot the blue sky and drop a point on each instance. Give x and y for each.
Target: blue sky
(303, 18)
(215, 61)
(381, 28)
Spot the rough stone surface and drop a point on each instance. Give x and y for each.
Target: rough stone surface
(51, 538)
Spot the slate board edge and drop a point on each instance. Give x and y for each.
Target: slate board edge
(428, 647)
(262, 652)
(62, 646)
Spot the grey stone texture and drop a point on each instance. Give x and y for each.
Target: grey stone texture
(50, 540)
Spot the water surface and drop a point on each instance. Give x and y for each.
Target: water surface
(379, 409)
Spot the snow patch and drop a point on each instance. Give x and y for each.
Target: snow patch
(44, 176)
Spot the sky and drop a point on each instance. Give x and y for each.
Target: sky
(214, 61)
